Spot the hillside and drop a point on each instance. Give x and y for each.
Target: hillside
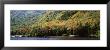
(55, 22)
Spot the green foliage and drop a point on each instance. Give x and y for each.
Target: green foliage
(61, 23)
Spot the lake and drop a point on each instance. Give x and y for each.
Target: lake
(55, 38)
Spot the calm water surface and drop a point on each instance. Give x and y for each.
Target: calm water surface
(55, 38)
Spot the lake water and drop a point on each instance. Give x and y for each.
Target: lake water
(55, 38)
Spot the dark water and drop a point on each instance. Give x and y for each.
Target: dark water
(55, 38)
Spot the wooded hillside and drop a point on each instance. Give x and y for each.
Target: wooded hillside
(55, 22)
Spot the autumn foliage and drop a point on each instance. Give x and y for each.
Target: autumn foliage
(63, 23)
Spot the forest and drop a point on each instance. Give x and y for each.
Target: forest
(43, 23)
